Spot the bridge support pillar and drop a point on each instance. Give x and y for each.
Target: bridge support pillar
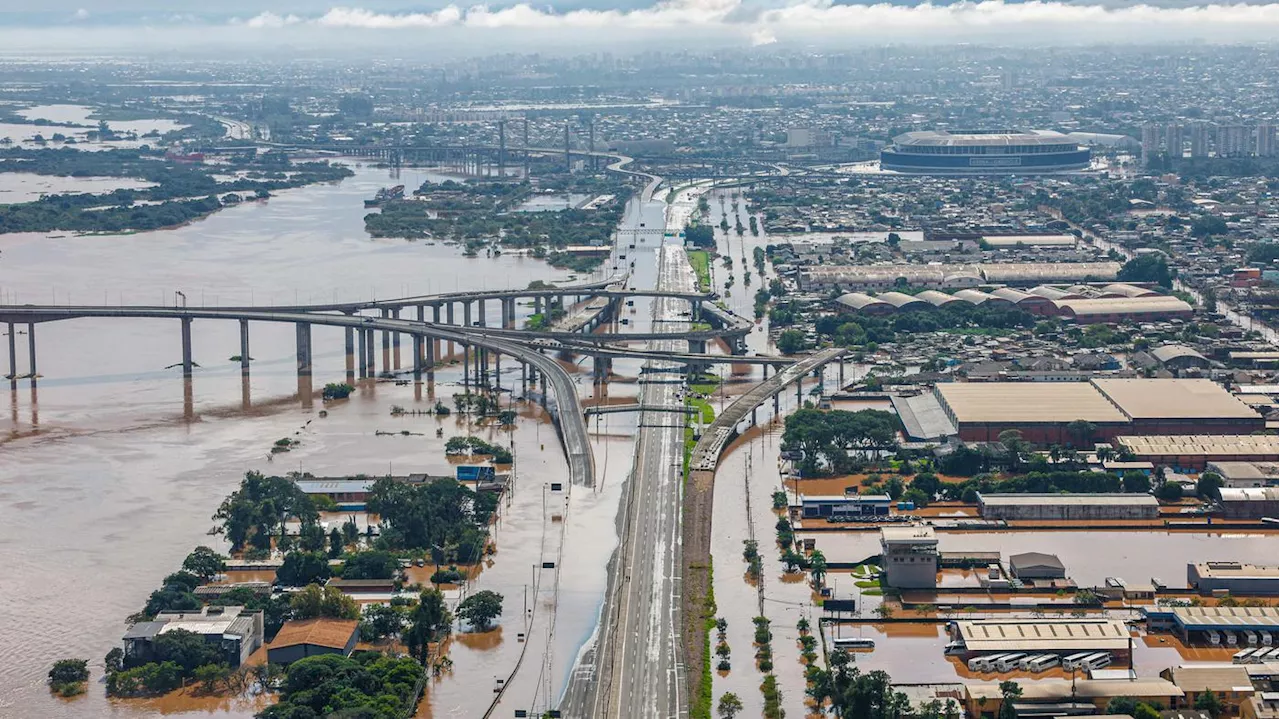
(497, 371)
(543, 384)
(799, 397)
(435, 318)
(13, 354)
(775, 405)
(448, 318)
(697, 346)
(304, 349)
(349, 335)
(386, 345)
(244, 347)
(186, 347)
(430, 361)
(696, 310)
(466, 313)
(362, 356)
(395, 342)
(370, 367)
(466, 370)
(524, 377)
(480, 307)
(537, 305)
(417, 359)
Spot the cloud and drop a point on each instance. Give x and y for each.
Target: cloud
(808, 19)
(81, 14)
(271, 20)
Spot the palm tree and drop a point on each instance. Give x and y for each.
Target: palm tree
(818, 566)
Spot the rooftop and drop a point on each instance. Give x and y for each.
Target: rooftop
(1036, 499)
(1011, 635)
(1206, 445)
(908, 535)
(1236, 569)
(1249, 494)
(322, 632)
(1026, 402)
(1228, 678)
(975, 138)
(1173, 399)
(1051, 689)
(1123, 305)
(1228, 617)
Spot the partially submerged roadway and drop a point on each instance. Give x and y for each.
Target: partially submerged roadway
(636, 667)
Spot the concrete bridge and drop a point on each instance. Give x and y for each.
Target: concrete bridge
(566, 410)
(619, 408)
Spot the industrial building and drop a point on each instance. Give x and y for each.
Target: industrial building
(1194, 452)
(1200, 623)
(1042, 635)
(1042, 411)
(1246, 474)
(1234, 578)
(1067, 506)
(236, 633)
(909, 557)
(983, 152)
(862, 278)
(1249, 502)
(844, 505)
(1230, 683)
(299, 639)
(1036, 565)
(1068, 697)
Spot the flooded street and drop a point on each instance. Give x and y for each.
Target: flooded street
(106, 482)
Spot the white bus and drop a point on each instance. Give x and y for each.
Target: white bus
(1250, 638)
(1246, 656)
(1231, 638)
(1266, 638)
(853, 643)
(1041, 663)
(1009, 662)
(1214, 637)
(1072, 661)
(984, 664)
(1096, 661)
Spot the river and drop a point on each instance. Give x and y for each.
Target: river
(107, 480)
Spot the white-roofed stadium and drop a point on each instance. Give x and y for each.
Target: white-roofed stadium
(983, 152)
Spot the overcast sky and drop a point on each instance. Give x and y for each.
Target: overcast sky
(568, 25)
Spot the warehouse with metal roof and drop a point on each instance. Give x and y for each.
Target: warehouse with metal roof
(1042, 411)
(864, 303)
(1071, 507)
(1194, 451)
(1065, 636)
(1124, 309)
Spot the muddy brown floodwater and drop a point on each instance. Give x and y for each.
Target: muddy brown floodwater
(105, 485)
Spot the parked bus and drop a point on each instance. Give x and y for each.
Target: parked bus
(1245, 656)
(1214, 637)
(1041, 663)
(1096, 661)
(1070, 662)
(1231, 638)
(1266, 638)
(1009, 662)
(853, 643)
(985, 664)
